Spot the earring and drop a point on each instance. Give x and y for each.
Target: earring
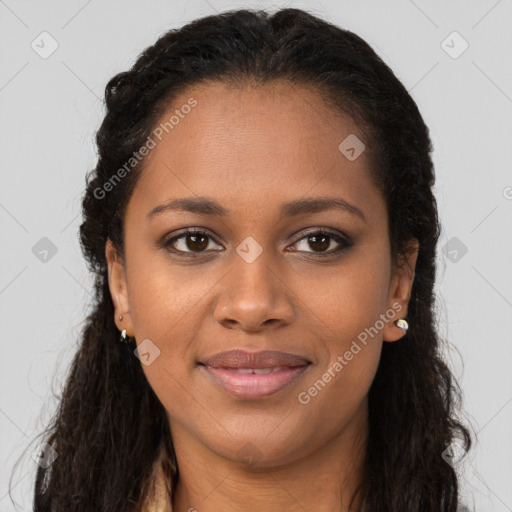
(120, 318)
(124, 338)
(402, 323)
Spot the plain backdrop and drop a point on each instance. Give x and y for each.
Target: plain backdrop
(56, 58)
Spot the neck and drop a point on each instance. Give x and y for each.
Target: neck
(324, 481)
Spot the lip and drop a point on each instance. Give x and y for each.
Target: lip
(232, 371)
(264, 359)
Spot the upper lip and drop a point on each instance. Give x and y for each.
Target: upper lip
(264, 359)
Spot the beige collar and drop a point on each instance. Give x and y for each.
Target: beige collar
(158, 497)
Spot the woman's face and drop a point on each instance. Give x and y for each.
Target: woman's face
(262, 172)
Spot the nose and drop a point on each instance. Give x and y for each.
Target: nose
(254, 297)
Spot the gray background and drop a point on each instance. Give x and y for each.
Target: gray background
(51, 107)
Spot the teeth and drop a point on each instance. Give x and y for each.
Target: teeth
(261, 371)
(258, 371)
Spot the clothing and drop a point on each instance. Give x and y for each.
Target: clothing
(158, 497)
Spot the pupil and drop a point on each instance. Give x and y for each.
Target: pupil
(195, 238)
(324, 245)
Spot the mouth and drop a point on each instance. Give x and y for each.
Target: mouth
(254, 375)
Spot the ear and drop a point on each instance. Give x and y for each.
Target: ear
(118, 288)
(400, 289)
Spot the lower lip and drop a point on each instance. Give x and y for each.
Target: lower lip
(252, 386)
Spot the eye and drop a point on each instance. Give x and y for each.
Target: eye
(191, 241)
(322, 240)
(194, 242)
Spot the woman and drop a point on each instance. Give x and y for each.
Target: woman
(263, 231)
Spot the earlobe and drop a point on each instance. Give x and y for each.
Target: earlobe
(400, 292)
(118, 288)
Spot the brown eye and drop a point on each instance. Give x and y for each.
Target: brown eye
(189, 242)
(321, 241)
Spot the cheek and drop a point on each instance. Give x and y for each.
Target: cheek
(349, 298)
(164, 307)
(164, 298)
(348, 324)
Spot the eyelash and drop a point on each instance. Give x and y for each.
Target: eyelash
(345, 242)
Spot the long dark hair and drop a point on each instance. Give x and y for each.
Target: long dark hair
(110, 428)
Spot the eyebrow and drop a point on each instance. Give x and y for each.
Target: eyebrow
(207, 206)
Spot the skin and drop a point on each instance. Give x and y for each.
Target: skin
(251, 149)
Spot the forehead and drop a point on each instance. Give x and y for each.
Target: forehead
(253, 146)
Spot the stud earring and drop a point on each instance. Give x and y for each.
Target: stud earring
(120, 318)
(402, 323)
